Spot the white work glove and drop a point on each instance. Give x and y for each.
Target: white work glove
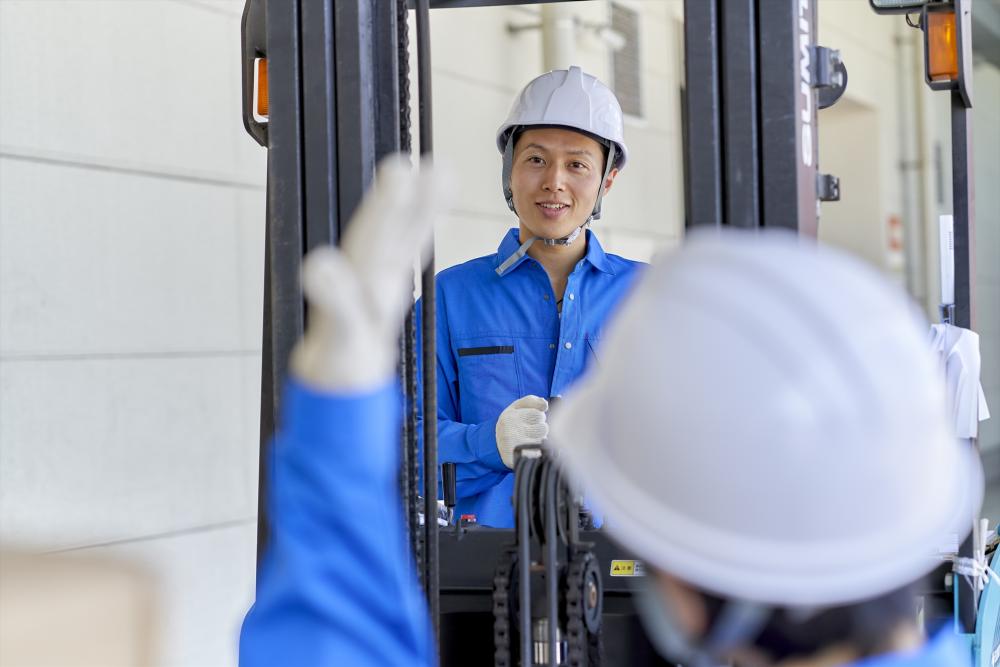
(521, 423)
(359, 293)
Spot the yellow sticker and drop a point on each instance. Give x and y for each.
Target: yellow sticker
(623, 568)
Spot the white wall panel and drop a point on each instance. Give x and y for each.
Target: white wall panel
(986, 134)
(248, 395)
(638, 246)
(461, 236)
(854, 21)
(466, 139)
(108, 449)
(152, 84)
(249, 250)
(849, 148)
(648, 195)
(95, 261)
(475, 44)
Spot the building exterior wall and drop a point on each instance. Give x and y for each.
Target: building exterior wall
(131, 268)
(987, 174)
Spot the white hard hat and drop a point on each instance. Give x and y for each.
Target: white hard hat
(574, 100)
(768, 424)
(568, 98)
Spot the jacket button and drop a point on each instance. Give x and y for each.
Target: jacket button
(569, 345)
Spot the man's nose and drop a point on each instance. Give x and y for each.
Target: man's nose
(555, 178)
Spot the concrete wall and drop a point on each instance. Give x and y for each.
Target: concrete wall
(131, 237)
(936, 194)
(987, 166)
(889, 140)
(859, 139)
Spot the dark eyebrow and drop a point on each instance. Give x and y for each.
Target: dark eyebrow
(579, 151)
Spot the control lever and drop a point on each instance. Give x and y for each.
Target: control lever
(449, 482)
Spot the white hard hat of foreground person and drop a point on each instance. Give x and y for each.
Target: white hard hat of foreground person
(768, 424)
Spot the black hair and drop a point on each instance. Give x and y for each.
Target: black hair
(865, 626)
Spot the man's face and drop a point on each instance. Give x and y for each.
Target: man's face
(555, 176)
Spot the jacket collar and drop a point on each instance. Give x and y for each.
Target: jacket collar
(511, 242)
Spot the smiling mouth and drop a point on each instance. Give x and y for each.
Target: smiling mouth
(552, 210)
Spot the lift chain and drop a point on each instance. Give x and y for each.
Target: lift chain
(505, 629)
(408, 360)
(584, 602)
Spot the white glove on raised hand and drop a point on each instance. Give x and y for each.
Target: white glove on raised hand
(521, 423)
(359, 293)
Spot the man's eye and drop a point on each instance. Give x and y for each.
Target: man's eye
(534, 159)
(578, 165)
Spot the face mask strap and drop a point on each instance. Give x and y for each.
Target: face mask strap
(738, 623)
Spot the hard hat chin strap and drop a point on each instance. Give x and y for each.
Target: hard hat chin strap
(523, 249)
(609, 165)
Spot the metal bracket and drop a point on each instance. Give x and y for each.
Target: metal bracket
(829, 75)
(827, 187)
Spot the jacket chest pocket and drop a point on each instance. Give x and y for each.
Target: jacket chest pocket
(488, 381)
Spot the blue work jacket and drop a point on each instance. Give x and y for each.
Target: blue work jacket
(336, 585)
(501, 337)
(944, 649)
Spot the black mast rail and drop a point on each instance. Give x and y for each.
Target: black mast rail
(326, 129)
(428, 335)
(753, 77)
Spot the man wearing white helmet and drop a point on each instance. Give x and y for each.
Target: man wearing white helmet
(519, 326)
(769, 434)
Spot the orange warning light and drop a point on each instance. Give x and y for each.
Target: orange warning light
(261, 79)
(942, 46)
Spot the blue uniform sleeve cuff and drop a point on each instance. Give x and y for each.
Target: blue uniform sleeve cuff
(484, 443)
(345, 421)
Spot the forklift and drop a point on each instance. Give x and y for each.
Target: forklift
(326, 89)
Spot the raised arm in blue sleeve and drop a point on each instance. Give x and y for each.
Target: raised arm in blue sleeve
(336, 586)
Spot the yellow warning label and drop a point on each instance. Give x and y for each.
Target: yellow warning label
(623, 568)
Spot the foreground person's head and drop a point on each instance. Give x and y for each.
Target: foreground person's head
(767, 431)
